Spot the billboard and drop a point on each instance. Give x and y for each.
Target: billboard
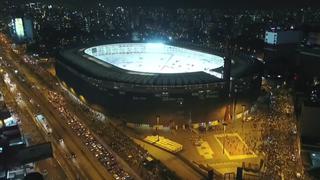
(282, 37)
(18, 25)
(271, 38)
(21, 29)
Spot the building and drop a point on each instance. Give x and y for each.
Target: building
(17, 157)
(138, 81)
(308, 59)
(21, 29)
(310, 139)
(283, 37)
(313, 39)
(309, 123)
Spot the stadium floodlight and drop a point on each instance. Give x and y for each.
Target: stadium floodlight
(152, 58)
(151, 47)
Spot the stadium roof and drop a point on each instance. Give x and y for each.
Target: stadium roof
(113, 73)
(77, 60)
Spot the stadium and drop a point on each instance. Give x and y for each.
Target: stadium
(141, 81)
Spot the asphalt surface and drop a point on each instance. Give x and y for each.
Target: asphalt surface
(171, 161)
(85, 165)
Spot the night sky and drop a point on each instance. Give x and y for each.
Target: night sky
(189, 3)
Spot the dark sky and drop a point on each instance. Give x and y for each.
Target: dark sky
(190, 3)
(205, 3)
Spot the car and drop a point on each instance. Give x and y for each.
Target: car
(128, 178)
(68, 156)
(44, 172)
(115, 176)
(73, 155)
(109, 168)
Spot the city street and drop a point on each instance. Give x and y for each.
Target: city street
(266, 145)
(85, 161)
(34, 136)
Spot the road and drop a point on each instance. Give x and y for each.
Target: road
(59, 152)
(171, 161)
(43, 85)
(85, 162)
(34, 135)
(35, 88)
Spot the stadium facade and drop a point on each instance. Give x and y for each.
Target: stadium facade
(142, 81)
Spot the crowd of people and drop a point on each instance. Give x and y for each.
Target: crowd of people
(234, 146)
(253, 138)
(279, 139)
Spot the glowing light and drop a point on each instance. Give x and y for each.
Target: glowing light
(82, 98)
(154, 58)
(19, 27)
(154, 47)
(72, 90)
(64, 84)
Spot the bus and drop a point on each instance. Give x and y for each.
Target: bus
(44, 123)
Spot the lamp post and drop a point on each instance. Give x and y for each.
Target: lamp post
(158, 120)
(234, 104)
(190, 121)
(224, 134)
(243, 117)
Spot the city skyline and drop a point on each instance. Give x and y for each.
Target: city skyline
(216, 4)
(160, 90)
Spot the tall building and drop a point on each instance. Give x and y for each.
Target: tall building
(313, 39)
(87, 24)
(21, 29)
(310, 139)
(283, 37)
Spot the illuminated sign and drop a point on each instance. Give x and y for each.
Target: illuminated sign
(271, 37)
(19, 27)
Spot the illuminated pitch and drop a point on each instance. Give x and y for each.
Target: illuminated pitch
(156, 58)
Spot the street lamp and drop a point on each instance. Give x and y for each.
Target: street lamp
(243, 117)
(234, 104)
(224, 134)
(158, 121)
